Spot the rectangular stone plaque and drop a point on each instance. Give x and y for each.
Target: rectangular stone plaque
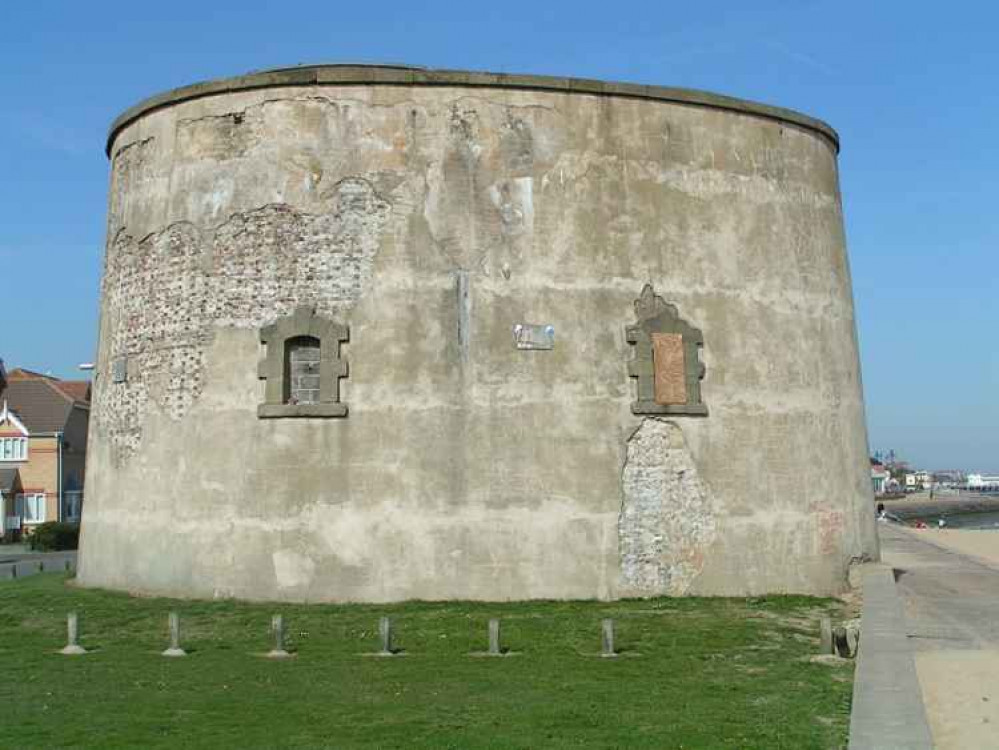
(528, 336)
(119, 370)
(670, 372)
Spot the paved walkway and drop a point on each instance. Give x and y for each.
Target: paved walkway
(952, 618)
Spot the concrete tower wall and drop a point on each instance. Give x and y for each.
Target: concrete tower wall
(429, 213)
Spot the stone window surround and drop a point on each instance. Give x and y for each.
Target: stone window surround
(303, 322)
(655, 315)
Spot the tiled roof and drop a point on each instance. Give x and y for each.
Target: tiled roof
(79, 390)
(39, 404)
(19, 373)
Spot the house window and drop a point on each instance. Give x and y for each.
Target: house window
(301, 379)
(13, 449)
(71, 506)
(31, 507)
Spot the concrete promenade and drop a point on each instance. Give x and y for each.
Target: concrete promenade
(888, 712)
(951, 613)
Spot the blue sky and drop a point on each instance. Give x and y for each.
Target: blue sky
(911, 88)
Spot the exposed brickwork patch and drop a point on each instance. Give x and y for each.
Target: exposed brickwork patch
(164, 295)
(667, 520)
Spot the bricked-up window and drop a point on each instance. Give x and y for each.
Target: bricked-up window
(302, 360)
(302, 366)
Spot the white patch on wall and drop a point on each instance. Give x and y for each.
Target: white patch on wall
(668, 518)
(292, 569)
(514, 199)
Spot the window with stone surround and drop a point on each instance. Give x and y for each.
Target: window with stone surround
(667, 364)
(302, 366)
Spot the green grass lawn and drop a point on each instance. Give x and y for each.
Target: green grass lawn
(694, 673)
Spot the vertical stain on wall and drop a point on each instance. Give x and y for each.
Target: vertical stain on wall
(464, 312)
(668, 517)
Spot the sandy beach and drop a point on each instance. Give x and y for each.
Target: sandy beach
(983, 545)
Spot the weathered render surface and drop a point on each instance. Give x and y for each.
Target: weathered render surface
(430, 213)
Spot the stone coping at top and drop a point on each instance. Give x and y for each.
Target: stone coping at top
(403, 75)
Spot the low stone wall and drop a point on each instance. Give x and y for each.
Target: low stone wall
(946, 505)
(24, 568)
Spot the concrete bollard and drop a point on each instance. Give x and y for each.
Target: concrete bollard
(825, 636)
(173, 620)
(607, 638)
(494, 638)
(385, 633)
(277, 627)
(72, 648)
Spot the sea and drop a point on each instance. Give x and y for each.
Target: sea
(985, 520)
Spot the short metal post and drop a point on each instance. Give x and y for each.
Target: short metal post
(72, 632)
(494, 637)
(277, 626)
(607, 639)
(173, 619)
(385, 632)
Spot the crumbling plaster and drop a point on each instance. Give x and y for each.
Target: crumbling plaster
(467, 468)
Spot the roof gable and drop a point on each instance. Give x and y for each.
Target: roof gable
(39, 404)
(7, 417)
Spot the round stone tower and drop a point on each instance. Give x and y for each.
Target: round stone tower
(384, 333)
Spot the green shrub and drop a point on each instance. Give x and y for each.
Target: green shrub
(53, 536)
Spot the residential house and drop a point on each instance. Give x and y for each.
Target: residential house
(880, 477)
(43, 447)
(918, 480)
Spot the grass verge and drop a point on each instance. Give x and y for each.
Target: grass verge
(694, 673)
